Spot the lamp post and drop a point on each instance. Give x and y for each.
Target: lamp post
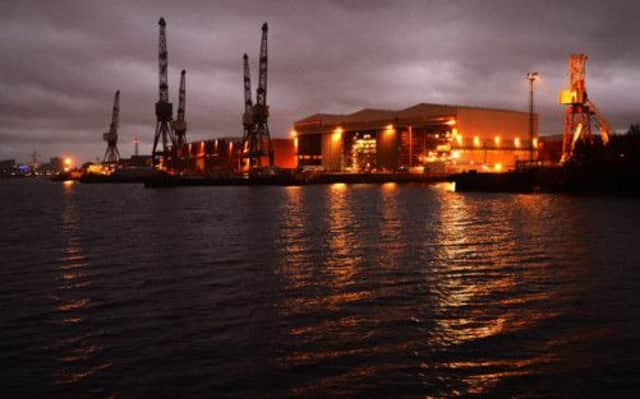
(531, 76)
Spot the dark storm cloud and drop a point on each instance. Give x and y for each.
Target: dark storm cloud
(62, 61)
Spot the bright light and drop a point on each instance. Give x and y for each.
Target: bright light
(535, 142)
(497, 140)
(476, 141)
(295, 143)
(337, 134)
(294, 134)
(516, 142)
(67, 162)
(389, 130)
(455, 154)
(451, 122)
(498, 167)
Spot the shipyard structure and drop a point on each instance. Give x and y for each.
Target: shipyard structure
(430, 138)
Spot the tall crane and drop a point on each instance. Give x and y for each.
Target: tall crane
(581, 112)
(180, 124)
(258, 139)
(112, 155)
(248, 122)
(164, 109)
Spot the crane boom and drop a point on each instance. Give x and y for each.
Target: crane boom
(163, 63)
(182, 96)
(115, 116)
(247, 117)
(261, 99)
(248, 103)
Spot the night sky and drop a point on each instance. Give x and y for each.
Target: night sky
(62, 62)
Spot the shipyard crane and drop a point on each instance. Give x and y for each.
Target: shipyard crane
(164, 109)
(180, 124)
(581, 112)
(248, 123)
(112, 155)
(258, 139)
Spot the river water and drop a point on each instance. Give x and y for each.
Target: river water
(338, 290)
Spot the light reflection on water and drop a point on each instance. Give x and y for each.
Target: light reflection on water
(75, 351)
(485, 278)
(339, 290)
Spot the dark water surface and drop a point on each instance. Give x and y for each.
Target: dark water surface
(363, 290)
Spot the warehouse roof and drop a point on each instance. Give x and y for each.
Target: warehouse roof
(418, 112)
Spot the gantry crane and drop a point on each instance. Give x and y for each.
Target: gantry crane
(257, 139)
(581, 111)
(164, 109)
(112, 155)
(180, 124)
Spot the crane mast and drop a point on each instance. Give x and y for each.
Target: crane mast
(180, 124)
(112, 155)
(257, 140)
(164, 109)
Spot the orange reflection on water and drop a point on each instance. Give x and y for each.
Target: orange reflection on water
(75, 351)
(478, 282)
(341, 261)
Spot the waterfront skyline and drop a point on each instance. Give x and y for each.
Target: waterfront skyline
(67, 59)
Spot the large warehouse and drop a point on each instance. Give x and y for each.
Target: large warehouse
(429, 137)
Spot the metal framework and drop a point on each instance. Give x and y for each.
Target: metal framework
(581, 112)
(180, 124)
(112, 155)
(248, 123)
(164, 109)
(256, 137)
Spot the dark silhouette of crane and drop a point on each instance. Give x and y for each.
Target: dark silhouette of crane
(248, 122)
(112, 155)
(180, 124)
(164, 109)
(257, 139)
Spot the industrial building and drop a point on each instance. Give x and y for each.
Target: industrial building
(425, 137)
(223, 156)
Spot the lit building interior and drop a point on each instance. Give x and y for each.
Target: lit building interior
(424, 138)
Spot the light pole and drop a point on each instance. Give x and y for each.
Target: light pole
(531, 76)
